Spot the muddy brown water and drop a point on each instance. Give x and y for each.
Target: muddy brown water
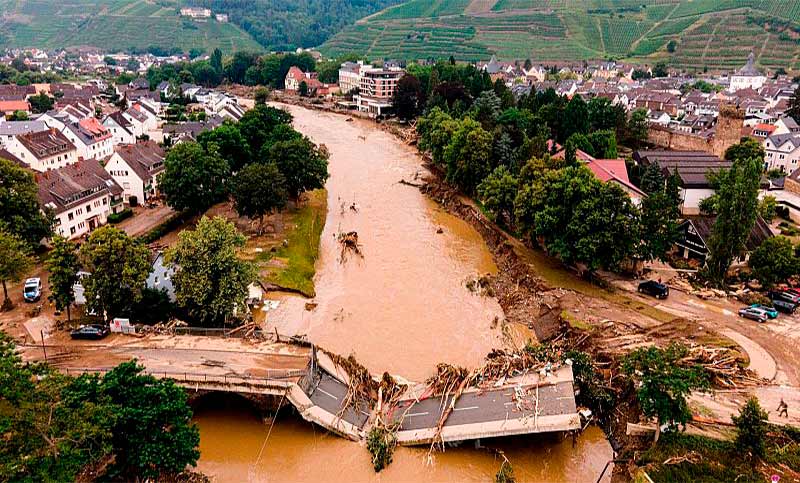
(401, 308)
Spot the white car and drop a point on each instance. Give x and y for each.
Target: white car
(32, 291)
(752, 313)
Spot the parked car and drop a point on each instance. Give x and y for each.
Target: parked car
(795, 291)
(656, 289)
(772, 312)
(784, 306)
(92, 332)
(754, 314)
(32, 291)
(784, 295)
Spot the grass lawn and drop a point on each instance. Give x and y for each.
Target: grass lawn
(291, 265)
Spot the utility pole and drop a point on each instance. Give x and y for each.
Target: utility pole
(44, 349)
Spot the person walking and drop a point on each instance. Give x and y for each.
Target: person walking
(783, 409)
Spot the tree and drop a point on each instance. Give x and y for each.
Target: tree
(257, 124)
(216, 61)
(736, 206)
(154, 434)
(671, 45)
(230, 145)
(659, 224)
(193, 178)
(576, 118)
(603, 144)
(435, 130)
(794, 105)
(41, 102)
(63, 265)
(303, 164)
(118, 268)
(751, 428)
(497, 193)
(747, 148)
(774, 261)
(660, 70)
(15, 262)
(408, 97)
(50, 431)
(261, 95)
(258, 189)
(663, 382)
(467, 155)
(303, 89)
(486, 109)
(768, 208)
(637, 128)
(210, 280)
(19, 116)
(652, 180)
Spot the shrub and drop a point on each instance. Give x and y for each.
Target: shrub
(115, 218)
(751, 425)
(160, 230)
(380, 444)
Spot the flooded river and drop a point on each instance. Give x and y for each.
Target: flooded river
(401, 308)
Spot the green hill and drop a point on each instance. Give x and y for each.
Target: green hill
(717, 34)
(113, 25)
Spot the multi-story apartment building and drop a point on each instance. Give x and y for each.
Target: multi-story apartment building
(43, 150)
(81, 196)
(376, 90)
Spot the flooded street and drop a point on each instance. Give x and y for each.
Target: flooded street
(402, 308)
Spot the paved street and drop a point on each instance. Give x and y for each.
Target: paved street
(329, 395)
(494, 405)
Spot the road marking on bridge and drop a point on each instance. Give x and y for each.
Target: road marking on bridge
(323, 391)
(467, 408)
(411, 415)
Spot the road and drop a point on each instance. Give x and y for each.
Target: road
(493, 405)
(329, 394)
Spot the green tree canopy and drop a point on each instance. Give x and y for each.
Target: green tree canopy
(15, 262)
(736, 206)
(118, 266)
(468, 155)
(257, 124)
(664, 381)
(409, 98)
(210, 280)
(193, 178)
(231, 145)
(63, 265)
(774, 261)
(497, 193)
(258, 189)
(304, 165)
(19, 204)
(751, 428)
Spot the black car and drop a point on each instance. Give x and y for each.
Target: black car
(785, 296)
(784, 306)
(93, 332)
(656, 289)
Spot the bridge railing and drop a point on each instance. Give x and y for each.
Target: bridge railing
(273, 375)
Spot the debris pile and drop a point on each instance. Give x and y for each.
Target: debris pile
(349, 243)
(363, 391)
(722, 365)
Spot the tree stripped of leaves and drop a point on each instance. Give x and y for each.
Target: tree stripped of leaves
(63, 266)
(118, 268)
(663, 382)
(210, 279)
(15, 262)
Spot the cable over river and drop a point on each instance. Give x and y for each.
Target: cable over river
(402, 308)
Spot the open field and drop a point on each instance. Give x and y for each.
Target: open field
(713, 34)
(113, 25)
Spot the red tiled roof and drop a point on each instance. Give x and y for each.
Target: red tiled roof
(11, 106)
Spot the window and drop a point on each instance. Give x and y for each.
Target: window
(69, 216)
(88, 208)
(105, 201)
(72, 230)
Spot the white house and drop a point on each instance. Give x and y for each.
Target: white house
(120, 127)
(141, 120)
(92, 139)
(135, 167)
(786, 125)
(44, 150)
(81, 196)
(748, 77)
(782, 152)
(9, 129)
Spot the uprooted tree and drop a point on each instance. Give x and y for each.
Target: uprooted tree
(663, 382)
